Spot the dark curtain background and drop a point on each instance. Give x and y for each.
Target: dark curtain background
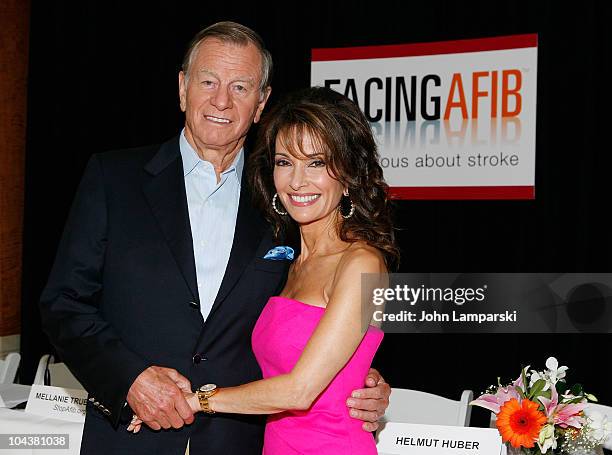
(103, 75)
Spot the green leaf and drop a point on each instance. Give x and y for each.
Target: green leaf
(575, 400)
(524, 378)
(561, 387)
(536, 389)
(577, 389)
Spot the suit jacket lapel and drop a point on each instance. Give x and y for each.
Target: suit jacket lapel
(165, 193)
(250, 227)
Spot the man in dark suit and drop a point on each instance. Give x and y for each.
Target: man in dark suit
(160, 275)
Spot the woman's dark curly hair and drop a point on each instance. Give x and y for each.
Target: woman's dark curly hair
(342, 134)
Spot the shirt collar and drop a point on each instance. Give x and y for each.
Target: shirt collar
(191, 159)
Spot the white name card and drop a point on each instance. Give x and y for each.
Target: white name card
(413, 439)
(57, 403)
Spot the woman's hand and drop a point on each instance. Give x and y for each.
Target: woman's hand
(191, 398)
(135, 424)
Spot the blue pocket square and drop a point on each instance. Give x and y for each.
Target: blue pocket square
(280, 253)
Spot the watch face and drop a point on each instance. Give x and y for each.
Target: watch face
(208, 387)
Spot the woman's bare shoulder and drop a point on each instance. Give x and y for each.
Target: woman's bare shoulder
(361, 258)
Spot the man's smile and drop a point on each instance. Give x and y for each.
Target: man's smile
(219, 120)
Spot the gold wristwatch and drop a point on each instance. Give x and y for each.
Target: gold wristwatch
(204, 393)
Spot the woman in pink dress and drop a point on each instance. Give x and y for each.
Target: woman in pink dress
(315, 167)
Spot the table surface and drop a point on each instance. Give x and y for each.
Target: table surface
(17, 421)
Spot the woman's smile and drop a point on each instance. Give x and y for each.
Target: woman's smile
(304, 199)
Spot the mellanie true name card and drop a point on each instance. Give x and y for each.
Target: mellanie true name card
(57, 403)
(413, 439)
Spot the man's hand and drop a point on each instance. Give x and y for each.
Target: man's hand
(370, 404)
(156, 396)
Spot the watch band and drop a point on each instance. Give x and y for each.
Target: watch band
(204, 393)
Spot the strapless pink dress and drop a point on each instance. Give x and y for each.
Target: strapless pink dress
(279, 337)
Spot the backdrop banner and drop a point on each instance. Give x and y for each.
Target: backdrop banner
(453, 119)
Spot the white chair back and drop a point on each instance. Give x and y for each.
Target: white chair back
(603, 410)
(59, 374)
(413, 406)
(43, 363)
(8, 368)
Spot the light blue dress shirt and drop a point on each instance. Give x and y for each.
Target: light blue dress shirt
(213, 208)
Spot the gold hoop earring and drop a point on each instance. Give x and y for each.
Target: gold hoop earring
(274, 205)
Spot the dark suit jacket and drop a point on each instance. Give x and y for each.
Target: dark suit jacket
(122, 296)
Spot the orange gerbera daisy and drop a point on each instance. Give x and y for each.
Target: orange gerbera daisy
(520, 423)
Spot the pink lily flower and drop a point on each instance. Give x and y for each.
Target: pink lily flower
(564, 415)
(568, 415)
(493, 402)
(519, 380)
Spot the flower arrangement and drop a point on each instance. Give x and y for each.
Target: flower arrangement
(540, 414)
